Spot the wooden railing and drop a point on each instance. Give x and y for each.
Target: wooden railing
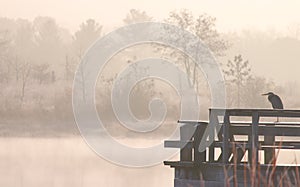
(195, 133)
(191, 133)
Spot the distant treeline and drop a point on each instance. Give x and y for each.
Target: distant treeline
(38, 59)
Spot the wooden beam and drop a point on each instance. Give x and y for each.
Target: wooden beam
(213, 125)
(266, 130)
(261, 112)
(269, 153)
(253, 140)
(186, 134)
(179, 144)
(198, 137)
(225, 148)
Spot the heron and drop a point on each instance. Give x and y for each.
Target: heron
(275, 101)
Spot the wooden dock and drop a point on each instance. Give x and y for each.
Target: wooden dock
(240, 144)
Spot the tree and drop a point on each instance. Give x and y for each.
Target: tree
(87, 34)
(7, 31)
(69, 68)
(41, 73)
(23, 46)
(16, 65)
(3, 40)
(204, 27)
(24, 43)
(49, 43)
(136, 16)
(237, 72)
(4, 64)
(47, 31)
(25, 73)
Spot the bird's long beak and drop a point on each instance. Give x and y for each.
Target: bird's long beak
(265, 94)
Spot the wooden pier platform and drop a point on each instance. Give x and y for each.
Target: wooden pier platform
(239, 144)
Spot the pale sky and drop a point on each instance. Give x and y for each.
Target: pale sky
(232, 15)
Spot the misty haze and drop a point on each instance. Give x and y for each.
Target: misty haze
(40, 53)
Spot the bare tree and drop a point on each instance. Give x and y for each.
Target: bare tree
(5, 71)
(3, 40)
(68, 68)
(26, 69)
(204, 27)
(17, 68)
(41, 72)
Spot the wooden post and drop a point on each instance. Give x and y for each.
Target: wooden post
(211, 153)
(253, 140)
(213, 123)
(186, 134)
(269, 152)
(225, 148)
(199, 156)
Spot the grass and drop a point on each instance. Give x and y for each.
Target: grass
(253, 175)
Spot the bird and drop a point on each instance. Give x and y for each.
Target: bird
(275, 101)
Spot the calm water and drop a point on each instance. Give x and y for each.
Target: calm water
(61, 162)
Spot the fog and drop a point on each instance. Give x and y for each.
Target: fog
(68, 162)
(64, 162)
(42, 43)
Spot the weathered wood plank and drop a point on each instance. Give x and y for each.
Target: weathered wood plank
(261, 112)
(266, 130)
(197, 183)
(253, 139)
(210, 134)
(225, 148)
(188, 171)
(269, 152)
(260, 147)
(186, 134)
(191, 122)
(179, 144)
(199, 156)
